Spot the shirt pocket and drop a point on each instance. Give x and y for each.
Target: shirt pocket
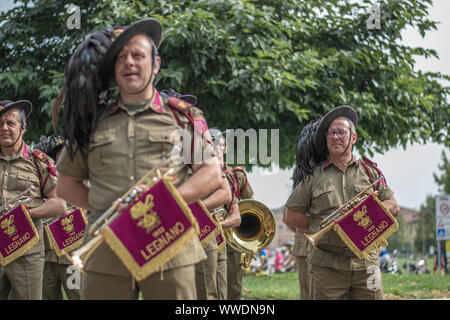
(99, 148)
(324, 199)
(160, 142)
(26, 179)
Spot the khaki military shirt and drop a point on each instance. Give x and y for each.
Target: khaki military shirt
(123, 148)
(324, 192)
(17, 174)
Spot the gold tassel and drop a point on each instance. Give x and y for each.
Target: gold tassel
(161, 276)
(133, 283)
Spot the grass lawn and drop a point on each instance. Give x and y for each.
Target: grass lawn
(285, 286)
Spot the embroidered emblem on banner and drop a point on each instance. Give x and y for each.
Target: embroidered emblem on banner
(67, 224)
(361, 217)
(144, 213)
(8, 226)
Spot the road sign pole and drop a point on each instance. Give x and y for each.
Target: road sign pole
(438, 257)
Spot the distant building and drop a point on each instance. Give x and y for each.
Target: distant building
(409, 230)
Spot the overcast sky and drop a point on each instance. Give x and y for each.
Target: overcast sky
(409, 172)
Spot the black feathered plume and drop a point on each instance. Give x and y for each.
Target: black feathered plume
(83, 94)
(306, 155)
(50, 145)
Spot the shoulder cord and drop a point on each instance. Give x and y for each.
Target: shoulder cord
(241, 188)
(191, 120)
(366, 165)
(234, 190)
(41, 184)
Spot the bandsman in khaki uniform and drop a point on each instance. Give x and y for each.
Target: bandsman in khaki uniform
(56, 272)
(211, 273)
(21, 166)
(300, 252)
(230, 259)
(128, 140)
(337, 272)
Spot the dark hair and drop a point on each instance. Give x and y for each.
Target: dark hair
(22, 118)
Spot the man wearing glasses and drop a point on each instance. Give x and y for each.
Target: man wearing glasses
(337, 272)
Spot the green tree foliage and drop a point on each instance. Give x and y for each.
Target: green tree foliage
(261, 64)
(398, 240)
(426, 230)
(444, 180)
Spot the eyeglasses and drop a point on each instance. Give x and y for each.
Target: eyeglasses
(340, 133)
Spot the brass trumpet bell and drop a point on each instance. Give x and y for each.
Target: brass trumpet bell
(256, 230)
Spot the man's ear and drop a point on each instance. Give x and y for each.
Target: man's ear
(354, 137)
(157, 66)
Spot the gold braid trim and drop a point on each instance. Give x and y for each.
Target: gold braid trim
(224, 242)
(362, 254)
(141, 272)
(69, 248)
(212, 235)
(17, 254)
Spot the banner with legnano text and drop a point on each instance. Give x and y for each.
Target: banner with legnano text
(209, 229)
(152, 230)
(18, 234)
(366, 226)
(66, 233)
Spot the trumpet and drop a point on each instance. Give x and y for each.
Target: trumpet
(326, 224)
(15, 201)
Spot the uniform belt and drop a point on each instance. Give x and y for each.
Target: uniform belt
(346, 252)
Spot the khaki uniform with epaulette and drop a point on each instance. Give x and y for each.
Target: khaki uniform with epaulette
(128, 141)
(234, 269)
(334, 183)
(319, 195)
(22, 278)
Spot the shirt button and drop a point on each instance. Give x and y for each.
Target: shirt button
(131, 156)
(131, 178)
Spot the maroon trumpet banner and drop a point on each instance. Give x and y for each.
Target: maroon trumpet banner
(66, 233)
(206, 224)
(18, 234)
(366, 226)
(152, 230)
